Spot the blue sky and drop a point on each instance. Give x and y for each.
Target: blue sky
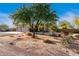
(65, 11)
(61, 8)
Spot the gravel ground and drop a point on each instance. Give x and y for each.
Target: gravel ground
(23, 45)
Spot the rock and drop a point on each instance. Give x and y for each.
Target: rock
(75, 36)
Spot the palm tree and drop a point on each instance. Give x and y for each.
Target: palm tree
(76, 22)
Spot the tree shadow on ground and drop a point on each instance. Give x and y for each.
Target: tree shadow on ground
(50, 42)
(47, 40)
(39, 38)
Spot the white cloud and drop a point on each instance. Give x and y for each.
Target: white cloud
(5, 19)
(69, 16)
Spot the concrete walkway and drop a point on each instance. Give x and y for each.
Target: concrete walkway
(9, 33)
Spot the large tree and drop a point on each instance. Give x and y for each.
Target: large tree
(44, 14)
(33, 15)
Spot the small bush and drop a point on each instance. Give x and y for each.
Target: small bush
(11, 36)
(67, 41)
(29, 34)
(49, 42)
(11, 43)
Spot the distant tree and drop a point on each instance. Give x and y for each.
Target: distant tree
(76, 22)
(4, 26)
(65, 25)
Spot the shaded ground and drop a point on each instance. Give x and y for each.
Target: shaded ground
(16, 45)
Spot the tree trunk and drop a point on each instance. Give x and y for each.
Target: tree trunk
(33, 34)
(33, 31)
(21, 29)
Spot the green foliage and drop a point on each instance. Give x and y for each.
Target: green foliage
(21, 16)
(76, 22)
(66, 41)
(65, 25)
(33, 15)
(53, 27)
(4, 27)
(43, 12)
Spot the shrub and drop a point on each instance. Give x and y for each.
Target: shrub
(67, 41)
(49, 42)
(29, 34)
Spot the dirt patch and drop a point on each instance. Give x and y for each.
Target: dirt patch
(44, 46)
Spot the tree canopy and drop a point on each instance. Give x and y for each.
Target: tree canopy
(33, 15)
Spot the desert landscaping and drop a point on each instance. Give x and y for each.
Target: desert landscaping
(24, 45)
(38, 30)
